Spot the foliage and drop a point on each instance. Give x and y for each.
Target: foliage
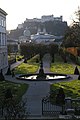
(25, 60)
(8, 71)
(71, 88)
(76, 71)
(17, 90)
(1, 76)
(30, 49)
(29, 67)
(10, 97)
(19, 57)
(34, 59)
(72, 36)
(53, 48)
(12, 111)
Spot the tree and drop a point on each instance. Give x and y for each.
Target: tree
(77, 13)
(72, 35)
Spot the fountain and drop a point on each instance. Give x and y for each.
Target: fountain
(41, 76)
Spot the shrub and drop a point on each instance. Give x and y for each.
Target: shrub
(76, 71)
(25, 60)
(1, 76)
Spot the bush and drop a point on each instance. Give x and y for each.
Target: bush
(76, 71)
(25, 60)
(37, 61)
(8, 71)
(12, 61)
(1, 76)
(19, 58)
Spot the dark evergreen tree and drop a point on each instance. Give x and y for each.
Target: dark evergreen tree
(76, 71)
(1, 76)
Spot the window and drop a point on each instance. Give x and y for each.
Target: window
(0, 39)
(3, 38)
(2, 22)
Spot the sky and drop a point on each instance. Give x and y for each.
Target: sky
(19, 10)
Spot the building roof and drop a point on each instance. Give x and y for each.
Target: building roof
(3, 12)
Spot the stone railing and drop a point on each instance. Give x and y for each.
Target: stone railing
(72, 106)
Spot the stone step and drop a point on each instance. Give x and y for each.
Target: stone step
(37, 117)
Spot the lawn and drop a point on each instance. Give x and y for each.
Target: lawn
(71, 88)
(65, 68)
(34, 59)
(60, 67)
(25, 68)
(30, 67)
(17, 89)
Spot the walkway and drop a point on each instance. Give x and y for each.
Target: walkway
(37, 90)
(46, 63)
(16, 64)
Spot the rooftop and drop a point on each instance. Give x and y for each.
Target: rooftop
(3, 12)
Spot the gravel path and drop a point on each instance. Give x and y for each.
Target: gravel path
(38, 90)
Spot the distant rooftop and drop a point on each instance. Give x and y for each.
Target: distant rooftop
(45, 18)
(3, 12)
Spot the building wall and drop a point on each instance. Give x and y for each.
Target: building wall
(45, 18)
(3, 41)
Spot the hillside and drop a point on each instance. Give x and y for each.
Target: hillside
(53, 27)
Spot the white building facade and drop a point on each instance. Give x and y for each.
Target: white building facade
(44, 38)
(3, 41)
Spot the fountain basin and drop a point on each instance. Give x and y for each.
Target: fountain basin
(49, 77)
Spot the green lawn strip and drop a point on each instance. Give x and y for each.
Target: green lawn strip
(17, 89)
(22, 88)
(30, 67)
(60, 67)
(34, 59)
(64, 68)
(25, 68)
(71, 89)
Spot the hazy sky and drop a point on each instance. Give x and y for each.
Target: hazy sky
(19, 10)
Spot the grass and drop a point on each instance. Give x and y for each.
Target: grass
(17, 89)
(33, 59)
(71, 88)
(64, 68)
(30, 67)
(25, 68)
(60, 67)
